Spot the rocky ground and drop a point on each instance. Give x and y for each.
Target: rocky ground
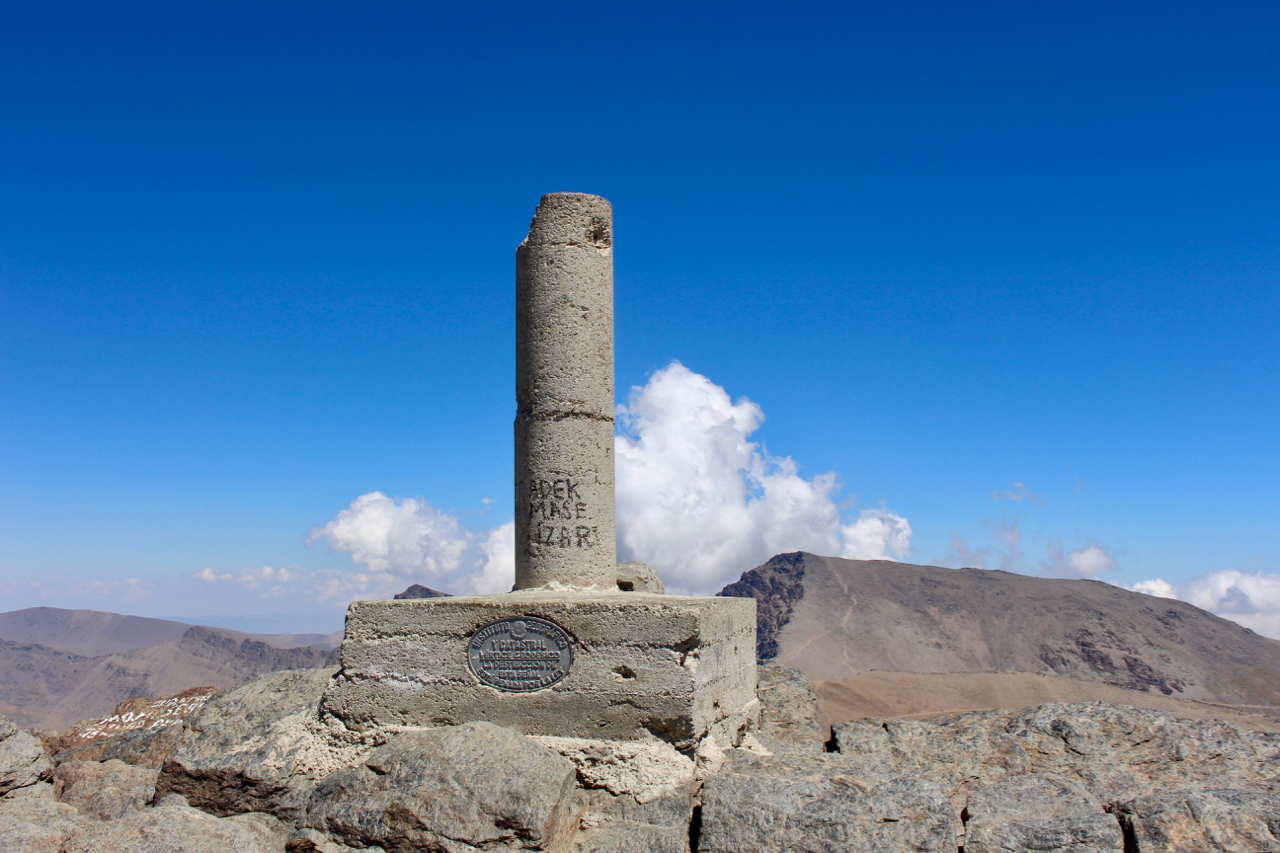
(257, 769)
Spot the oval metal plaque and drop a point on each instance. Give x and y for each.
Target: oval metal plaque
(520, 653)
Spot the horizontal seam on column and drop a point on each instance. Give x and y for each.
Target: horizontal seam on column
(562, 416)
(567, 243)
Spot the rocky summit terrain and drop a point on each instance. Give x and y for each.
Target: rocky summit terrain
(838, 620)
(259, 769)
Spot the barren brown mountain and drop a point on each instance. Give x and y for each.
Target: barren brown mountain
(97, 632)
(86, 632)
(840, 620)
(50, 688)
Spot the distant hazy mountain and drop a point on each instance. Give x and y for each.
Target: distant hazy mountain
(417, 590)
(834, 619)
(86, 632)
(96, 632)
(47, 687)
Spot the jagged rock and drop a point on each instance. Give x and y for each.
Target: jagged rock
(105, 790)
(36, 825)
(39, 791)
(256, 748)
(946, 750)
(812, 803)
(136, 714)
(23, 760)
(308, 840)
(1116, 751)
(140, 747)
(789, 716)
(644, 769)
(174, 827)
(622, 825)
(639, 577)
(1202, 820)
(454, 788)
(1038, 811)
(1041, 778)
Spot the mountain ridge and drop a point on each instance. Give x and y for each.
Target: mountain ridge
(101, 632)
(834, 619)
(49, 688)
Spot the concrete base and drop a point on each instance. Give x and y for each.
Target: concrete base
(672, 667)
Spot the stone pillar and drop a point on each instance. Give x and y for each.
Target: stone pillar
(589, 661)
(564, 395)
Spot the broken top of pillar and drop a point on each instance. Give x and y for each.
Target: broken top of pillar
(564, 309)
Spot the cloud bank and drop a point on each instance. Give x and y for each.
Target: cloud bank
(407, 540)
(696, 499)
(1251, 600)
(702, 503)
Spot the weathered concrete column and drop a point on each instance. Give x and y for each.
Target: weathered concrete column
(590, 660)
(564, 395)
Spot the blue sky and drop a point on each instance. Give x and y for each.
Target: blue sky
(1008, 271)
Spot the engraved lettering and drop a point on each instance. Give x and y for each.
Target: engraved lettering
(583, 534)
(571, 489)
(553, 510)
(535, 508)
(564, 537)
(557, 489)
(581, 509)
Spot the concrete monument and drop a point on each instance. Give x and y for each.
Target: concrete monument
(580, 648)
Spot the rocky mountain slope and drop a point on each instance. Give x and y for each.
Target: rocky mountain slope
(835, 619)
(48, 688)
(260, 769)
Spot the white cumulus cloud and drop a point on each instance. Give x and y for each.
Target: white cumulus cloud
(1253, 600)
(1159, 587)
(875, 535)
(409, 540)
(696, 499)
(702, 503)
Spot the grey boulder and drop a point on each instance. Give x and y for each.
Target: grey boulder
(789, 718)
(36, 825)
(174, 827)
(1041, 812)
(23, 761)
(1115, 751)
(622, 825)
(451, 789)
(1203, 820)
(105, 790)
(814, 804)
(639, 577)
(143, 747)
(242, 752)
